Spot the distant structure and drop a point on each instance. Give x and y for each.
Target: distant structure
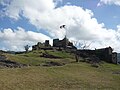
(40, 46)
(64, 43)
(104, 54)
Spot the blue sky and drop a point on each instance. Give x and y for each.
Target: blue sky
(28, 22)
(107, 14)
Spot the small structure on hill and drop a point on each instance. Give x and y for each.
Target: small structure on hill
(104, 54)
(64, 43)
(39, 46)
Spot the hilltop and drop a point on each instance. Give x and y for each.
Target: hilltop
(40, 57)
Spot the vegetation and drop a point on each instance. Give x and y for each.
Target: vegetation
(33, 58)
(26, 48)
(72, 76)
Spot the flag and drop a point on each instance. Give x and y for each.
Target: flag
(62, 26)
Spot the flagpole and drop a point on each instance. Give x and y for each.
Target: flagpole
(66, 38)
(64, 26)
(66, 32)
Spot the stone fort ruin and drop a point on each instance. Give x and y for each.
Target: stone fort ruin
(57, 44)
(104, 54)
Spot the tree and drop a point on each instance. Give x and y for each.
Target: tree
(85, 44)
(82, 44)
(26, 48)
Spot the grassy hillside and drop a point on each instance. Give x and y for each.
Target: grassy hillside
(33, 58)
(72, 76)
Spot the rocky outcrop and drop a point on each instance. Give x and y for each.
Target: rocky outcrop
(4, 63)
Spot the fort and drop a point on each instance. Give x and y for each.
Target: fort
(64, 44)
(57, 44)
(104, 54)
(40, 46)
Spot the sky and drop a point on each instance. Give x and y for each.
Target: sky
(26, 22)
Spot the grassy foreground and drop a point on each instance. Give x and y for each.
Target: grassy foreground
(72, 76)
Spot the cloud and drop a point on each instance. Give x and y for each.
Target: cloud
(80, 23)
(17, 39)
(15, 8)
(109, 2)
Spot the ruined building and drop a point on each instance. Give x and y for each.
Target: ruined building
(64, 43)
(40, 45)
(61, 44)
(104, 54)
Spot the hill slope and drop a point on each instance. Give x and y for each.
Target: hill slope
(40, 57)
(72, 75)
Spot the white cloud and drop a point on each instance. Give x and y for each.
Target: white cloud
(109, 2)
(80, 23)
(14, 8)
(17, 39)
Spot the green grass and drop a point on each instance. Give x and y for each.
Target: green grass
(72, 76)
(61, 54)
(33, 58)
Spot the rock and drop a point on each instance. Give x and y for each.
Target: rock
(94, 65)
(9, 64)
(116, 72)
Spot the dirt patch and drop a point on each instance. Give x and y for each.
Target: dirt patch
(51, 63)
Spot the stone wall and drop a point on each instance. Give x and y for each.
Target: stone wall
(39, 46)
(104, 54)
(64, 43)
